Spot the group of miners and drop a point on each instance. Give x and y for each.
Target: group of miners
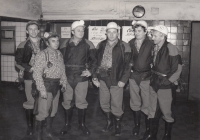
(150, 65)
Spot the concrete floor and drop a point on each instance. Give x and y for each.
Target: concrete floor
(13, 123)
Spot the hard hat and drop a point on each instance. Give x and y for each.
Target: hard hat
(77, 24)
(31, 23)
(161, 28)
(140, 22)
(48, 35)
(112, 25)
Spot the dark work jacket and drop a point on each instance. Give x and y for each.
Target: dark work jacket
(141, 60)
(81, 55)
(120, 62)
(167, 62)
(23, 56)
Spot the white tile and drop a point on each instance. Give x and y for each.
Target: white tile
(13, 23)
(17, 29)
(9, 68)
(9, 58)
(17, 23)
(17, 33)
(9, 23)
(14, 79)
(9, 63)
(5, 74)
(5, 69)
(10, 79)
(4, 23)
(17, 38)
(5, 63)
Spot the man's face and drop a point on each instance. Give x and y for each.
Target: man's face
(157, 37)
(139, 33)
(112, 34)
(33, 30)
(78, 32)
(53, 42)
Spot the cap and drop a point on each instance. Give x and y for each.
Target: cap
(140, 22)
(31, 23)
(48, 35)
(112, 25)
(77, 24)
(161, 28)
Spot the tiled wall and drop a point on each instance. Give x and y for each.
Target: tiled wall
(8, 72)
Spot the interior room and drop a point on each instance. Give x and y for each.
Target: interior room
(180, 17)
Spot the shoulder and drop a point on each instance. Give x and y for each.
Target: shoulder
(173, 50)
(63, 45)
(22, 44)
(131, 41)
(99, 44)
(90, 44)
(126, 46)
(59, 53)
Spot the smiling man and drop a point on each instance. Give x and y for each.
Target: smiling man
(142, 60)
(113, 72)
(25, 58)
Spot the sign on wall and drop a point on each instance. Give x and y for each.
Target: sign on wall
(65, 32)
(127, 33)
(96, 34)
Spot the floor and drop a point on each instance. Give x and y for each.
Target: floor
(13, 123)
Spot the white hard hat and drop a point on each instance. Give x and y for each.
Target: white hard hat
(77, 24)
(140, 22)
(112, 25)
(161, 28)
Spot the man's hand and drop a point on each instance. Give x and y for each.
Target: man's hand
(121, 84)
(86, 73)
(96, 82)
(64, 87)
(43, 95)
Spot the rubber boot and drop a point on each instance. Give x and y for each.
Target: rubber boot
(81, 120)
(117, 125)
(48, 129)
(39, 131)
(168, 128)
(137, 116)
(68, 119)
(109, 125)
(29, 119)
(147, 123)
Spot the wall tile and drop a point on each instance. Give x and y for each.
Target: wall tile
(173, 29)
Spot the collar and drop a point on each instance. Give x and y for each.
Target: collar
(114, 43)
(75, 42)
(161, 44)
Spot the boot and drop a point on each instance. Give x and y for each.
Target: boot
(81, 120)
(48, 129)
(109, 125)
(137, 116)
(29, 119)
(147, 123)
(117, 126)
(168, 128)
(39, 126)
(68, 119)
(154, 124)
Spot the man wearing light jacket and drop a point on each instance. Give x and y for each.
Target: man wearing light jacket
(166, 70)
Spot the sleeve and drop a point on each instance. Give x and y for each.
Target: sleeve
(38, 69)
(19, 58)
(63, 79)
(93, 59)
(175, 62)
(127, 63)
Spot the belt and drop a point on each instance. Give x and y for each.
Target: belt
(141, 71)
(76, 66)
(158, 73)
